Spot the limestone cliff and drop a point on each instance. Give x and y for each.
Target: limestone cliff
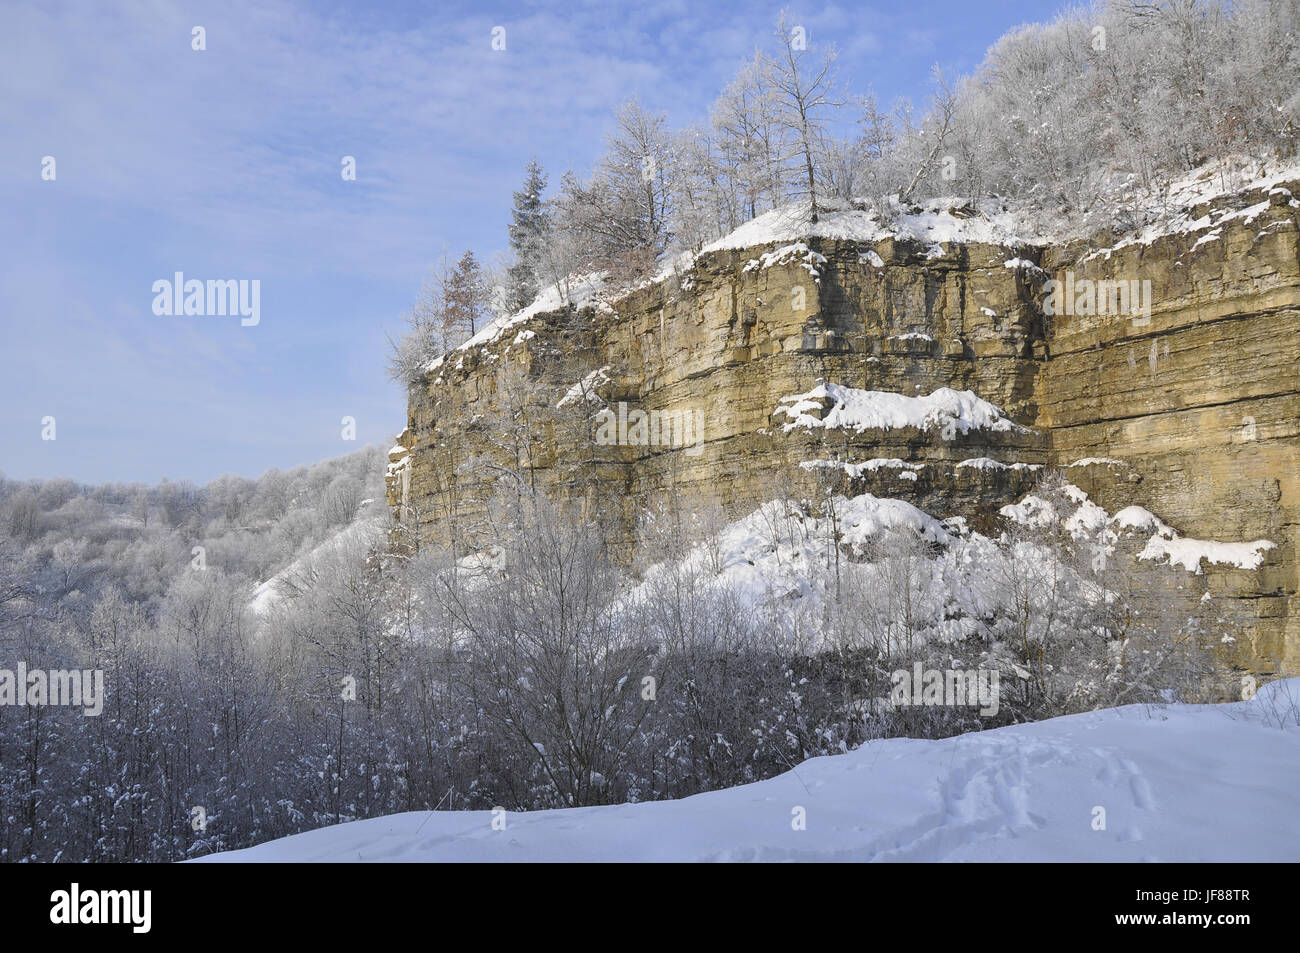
(715, 384)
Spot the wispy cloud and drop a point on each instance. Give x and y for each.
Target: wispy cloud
(225, 163)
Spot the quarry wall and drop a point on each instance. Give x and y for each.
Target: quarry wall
(1183, 398)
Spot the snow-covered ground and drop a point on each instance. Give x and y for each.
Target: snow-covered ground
(1176, 783)
(930, 220)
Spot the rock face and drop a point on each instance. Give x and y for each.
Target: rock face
(743, 379)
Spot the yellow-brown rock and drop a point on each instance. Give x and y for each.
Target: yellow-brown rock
(1199, 402)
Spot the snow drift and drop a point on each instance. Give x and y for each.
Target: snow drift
(1175, 783)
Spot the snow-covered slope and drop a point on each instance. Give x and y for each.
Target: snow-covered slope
(930, 221)
(584, 290)
(361, 532)
(779, 551)
(1176, 783)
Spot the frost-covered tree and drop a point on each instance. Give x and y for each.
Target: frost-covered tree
(425, 335)
(748, 141)
(803, 88)
(935, 131)
(529, 228)
(454, 302)
(624, 213)
(707, 203)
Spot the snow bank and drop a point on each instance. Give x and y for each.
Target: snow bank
(1142, 520)
(778, 551)
(950, 411)
(1186, 783)
(932, 221)
(793, 222)
(865, 517)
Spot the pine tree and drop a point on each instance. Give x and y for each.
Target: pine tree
(528, 232)
(464, 300)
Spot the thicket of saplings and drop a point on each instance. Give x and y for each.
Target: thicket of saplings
(541, 675)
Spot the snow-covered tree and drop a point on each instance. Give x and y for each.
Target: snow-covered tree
(623, 214)
(803, 95)
(748, 140)
(529, 231)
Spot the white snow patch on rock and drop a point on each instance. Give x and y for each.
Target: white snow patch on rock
(853, 409)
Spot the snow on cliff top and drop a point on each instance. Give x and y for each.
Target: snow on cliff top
(583, 291)
(1173, 210)
(1226, 176)
(953, 219)
(936, 221)
(929, 221)
(1179, 783)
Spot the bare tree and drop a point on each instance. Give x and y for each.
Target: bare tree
(424, 338)
(944, 107)
(748, 137)
(803, 91)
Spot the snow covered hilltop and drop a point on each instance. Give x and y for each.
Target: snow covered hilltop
(1140, 783)
(947, 360)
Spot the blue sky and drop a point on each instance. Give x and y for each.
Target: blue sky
(225, 163)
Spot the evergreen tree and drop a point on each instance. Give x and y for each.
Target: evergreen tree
(465, 300)
(528, 231)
